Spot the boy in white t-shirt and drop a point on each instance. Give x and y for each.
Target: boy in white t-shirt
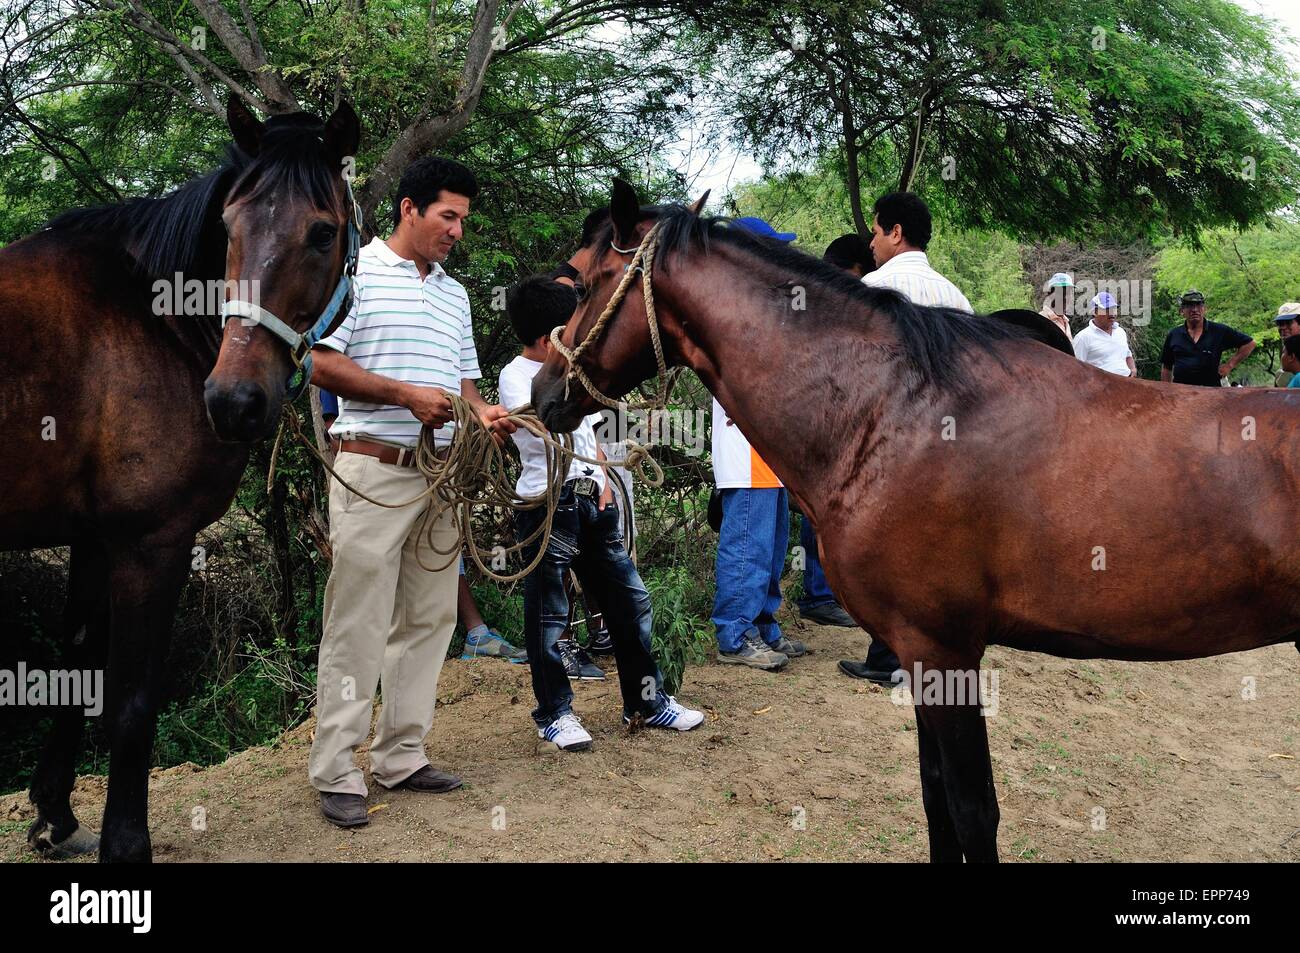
(584, 536)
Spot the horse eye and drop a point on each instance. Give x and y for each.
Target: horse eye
(321, 235)
(581, 290)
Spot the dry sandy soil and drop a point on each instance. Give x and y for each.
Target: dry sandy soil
(1093, 761)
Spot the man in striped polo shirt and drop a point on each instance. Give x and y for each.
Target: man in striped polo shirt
(405, 344)
(900, 234)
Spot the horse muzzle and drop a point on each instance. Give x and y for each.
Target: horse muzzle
(242, 412)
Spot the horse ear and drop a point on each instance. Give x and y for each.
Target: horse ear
(624, 212)
(697, 206)
(342, 133)
(244, 126)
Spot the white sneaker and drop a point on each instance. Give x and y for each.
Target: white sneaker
(675, 715)
(567, 733)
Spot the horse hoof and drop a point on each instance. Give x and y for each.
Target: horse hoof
(40, 838)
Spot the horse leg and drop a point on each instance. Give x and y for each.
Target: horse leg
(944, 845)
(56, 833)
(146, 579)
(958, 729)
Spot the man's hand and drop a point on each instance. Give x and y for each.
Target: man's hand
(607, 494)
(431, 405)
(1225, 369)
(494, 419)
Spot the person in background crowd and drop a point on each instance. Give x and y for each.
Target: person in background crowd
(852, 253)
(1288, 325)
(752, 539)
(1056, 307)
(1102, 342)
(1193, 351)
(1291, 359)
(901, 233)
(584, 533)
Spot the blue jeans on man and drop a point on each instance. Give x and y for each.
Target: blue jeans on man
(587, 540)
(751, 557)
(816, 590)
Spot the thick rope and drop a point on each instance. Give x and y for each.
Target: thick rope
(473, 472)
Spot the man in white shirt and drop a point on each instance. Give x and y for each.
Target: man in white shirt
(900, 233)
(584, 535)
(405, 343)
(1103, 343)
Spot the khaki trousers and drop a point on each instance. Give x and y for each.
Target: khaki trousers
(385, 617)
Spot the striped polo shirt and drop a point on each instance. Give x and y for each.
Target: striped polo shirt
(408, 328)
(910, 273)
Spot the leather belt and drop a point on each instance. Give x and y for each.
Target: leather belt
(384, 453)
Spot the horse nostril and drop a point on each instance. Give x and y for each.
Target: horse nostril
(248, 404)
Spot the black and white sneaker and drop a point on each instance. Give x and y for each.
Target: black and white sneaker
(566, 733)
(577, 663)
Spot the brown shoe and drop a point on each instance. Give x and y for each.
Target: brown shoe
(429, 780)
(344, 810)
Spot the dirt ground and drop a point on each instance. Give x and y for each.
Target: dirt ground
(1093, 761)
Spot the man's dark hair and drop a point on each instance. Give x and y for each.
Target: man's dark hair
(591, 224)
(1292, 345)
(537, 304)
(850, 250)
(908, 210)
(425, 178)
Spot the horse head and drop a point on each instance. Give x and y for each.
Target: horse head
(293, 234)
(619, 355)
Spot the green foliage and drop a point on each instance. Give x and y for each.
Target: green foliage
(682, 633)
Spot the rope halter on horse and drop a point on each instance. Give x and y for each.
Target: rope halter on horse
(643, 258)
(300, 344)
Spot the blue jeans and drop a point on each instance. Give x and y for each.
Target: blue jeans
(816, 590)
(751, 556)
(588, 541)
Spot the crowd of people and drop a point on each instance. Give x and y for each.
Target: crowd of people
(385, 372)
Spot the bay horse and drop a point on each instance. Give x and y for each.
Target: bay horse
(969, 485)
(129, 421)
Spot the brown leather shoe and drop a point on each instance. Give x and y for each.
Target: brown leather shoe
(429, 780)
(344, 810)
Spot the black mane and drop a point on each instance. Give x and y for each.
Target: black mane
(933, 339)
(165, 235)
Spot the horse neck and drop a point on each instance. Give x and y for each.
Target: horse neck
(805, 386)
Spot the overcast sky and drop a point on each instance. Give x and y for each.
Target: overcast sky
(724, 168)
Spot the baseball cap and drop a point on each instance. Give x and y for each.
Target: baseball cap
(759, 227)
(1288, 312)
(1191, 296)
(1104, 299)
(1060, 280)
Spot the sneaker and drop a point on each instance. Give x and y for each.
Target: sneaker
(829, 614)
(492, 645)
(791, 648)
(753, 652)
(672, 715)
(577, 663)
(567, 733)
(601, 643)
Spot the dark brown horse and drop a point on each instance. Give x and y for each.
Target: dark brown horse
(969, 486)
(110, 425)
